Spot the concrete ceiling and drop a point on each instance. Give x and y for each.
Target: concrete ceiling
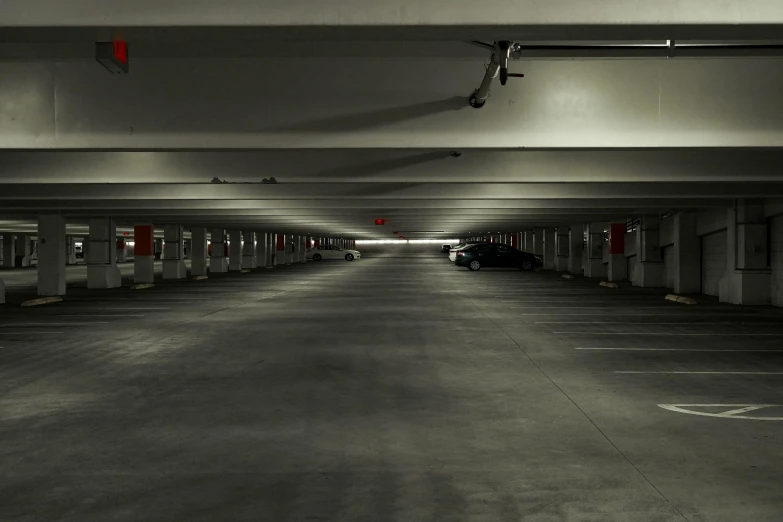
(364, 115)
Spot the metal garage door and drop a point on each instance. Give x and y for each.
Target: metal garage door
(776, 250)
(713, 262)
(632, 263)
(668, 261)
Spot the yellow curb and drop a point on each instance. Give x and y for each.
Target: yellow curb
(42, 301)
(142, 286)
(199, 278)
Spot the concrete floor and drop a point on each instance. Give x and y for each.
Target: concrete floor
(388, 389)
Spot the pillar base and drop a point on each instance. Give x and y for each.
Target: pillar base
(249, 262)
(218, 265)
(23, 261)
(122, 255)
(103, 276)
(235, 266)
(595, 268)
(561, 264)
(618, 268)
(650, 275)
(746, 287)
(144, 269)
(174, 269)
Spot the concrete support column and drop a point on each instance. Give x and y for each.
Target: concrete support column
(301, 248)
(70, 250)
(122, 250)
(218, 263)
(51, 255)
(289, 249)
(102, 271)
(561, 249)
(280, 254)
(144, 254)
(528, 242)
(173, 247)
(9, 250)
(595, 251)
(618, 264)
(24, 250)
(576, 237)
(159, 248)
(687, 254)
(650, 270)
(538, 241)
(550, 248)
(198, 253)
(235, 250)
(250, 250)
(748, 275)
(188, 252)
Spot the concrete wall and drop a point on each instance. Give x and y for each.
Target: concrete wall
(666, 232)
(401, 249)
(710, 220)
(776, 260)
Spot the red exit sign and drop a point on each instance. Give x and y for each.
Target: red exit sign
(380, 221)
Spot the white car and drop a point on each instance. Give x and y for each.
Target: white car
(329, 252)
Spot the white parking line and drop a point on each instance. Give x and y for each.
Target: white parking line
(22, 325)
(101, 315)
(646, 314)
(749, 323)
(122, 309)
(31, 333)
(676, 350)
(705, 373)
(677, 334)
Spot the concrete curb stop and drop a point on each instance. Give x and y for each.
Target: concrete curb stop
(142, 286)
(607, 284)
(42, 301)
(199, 278)
(244, 271)
(567, 276)
(680, 299)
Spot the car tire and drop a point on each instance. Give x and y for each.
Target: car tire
(527, 266)
(349, 257)
(474, 266)
(316, 257)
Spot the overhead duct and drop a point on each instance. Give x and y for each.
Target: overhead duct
(503, 51)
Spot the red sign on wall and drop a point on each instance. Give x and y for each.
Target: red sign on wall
(617, 238)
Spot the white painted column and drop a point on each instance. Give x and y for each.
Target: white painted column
(235, 250)
(650, 270)
(250, 250)
(217, 259)
(561, 249)
(595, 251)
(528, 243)
(51, 255)
(159, 248)
(289, 249)
(748, 274)
(538, 241)
(618, 264)
(550, 248)
(576, 237)
(102, 271)
(144, 253)
(23, 250)
(173, 246)
(122, 250)
(687, 254)
(198, 252)
(9, 250)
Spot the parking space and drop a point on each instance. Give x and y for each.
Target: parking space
(389, 389)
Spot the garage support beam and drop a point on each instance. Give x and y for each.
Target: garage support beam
(144, 254)
(24, 250)
(687, 254)
(561, 249)
(550, 248)
(595, 266)
(575, 248)
(9, 250)
(650, 271)
(217, 258)
(198, 252)
(249, 250)
(617, 269)
(102, 270)
(173, 253)
(51, 255)
(235, 250)
(70, 250)
(748, 276)
(528, 241)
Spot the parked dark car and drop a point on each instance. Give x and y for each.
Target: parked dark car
(497, 255)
